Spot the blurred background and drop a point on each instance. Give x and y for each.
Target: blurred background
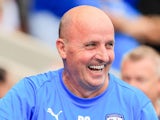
(22, 53)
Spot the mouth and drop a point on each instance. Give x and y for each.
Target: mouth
(96, 67)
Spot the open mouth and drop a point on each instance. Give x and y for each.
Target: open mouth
(96, 67)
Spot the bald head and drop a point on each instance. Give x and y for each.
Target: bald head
(83, 16)
(144, 52)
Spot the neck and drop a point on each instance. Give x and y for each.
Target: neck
(80, 91)
(157, 107)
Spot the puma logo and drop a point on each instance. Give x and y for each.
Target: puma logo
(53, 114)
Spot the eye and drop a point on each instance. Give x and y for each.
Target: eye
(126, 79)
(110, 45)
(141, 80)
(90, 45)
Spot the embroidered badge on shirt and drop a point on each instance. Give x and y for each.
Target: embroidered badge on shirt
(114, 117)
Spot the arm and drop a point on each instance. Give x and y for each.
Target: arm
(129, 21)
(144, 29)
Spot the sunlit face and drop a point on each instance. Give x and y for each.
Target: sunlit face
(141, 74)
(89, 54)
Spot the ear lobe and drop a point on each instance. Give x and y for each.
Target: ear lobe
(61, 48)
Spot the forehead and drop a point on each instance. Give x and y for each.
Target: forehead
(87, 20)
(92, 30)
(142, 66)
(93, 21)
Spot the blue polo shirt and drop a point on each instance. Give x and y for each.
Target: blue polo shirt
(45, 97)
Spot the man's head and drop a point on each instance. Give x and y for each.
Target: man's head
(86, 43)
(141, 68)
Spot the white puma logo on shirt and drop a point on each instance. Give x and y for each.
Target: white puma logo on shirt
(53, 114)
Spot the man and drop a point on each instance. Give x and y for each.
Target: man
(141, 68)
(83, 89)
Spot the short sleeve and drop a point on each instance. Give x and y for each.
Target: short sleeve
(18, 102)
(148, 113)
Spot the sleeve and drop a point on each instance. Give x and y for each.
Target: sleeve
(148, 113)
(19, 102)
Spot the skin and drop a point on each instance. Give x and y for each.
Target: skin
(143, 75)
(86, 41)
(5, 85)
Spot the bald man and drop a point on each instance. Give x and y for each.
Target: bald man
(141, 68)
(84, 89)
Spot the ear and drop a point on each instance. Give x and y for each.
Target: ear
(61, 47)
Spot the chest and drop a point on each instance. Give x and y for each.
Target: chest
(60, 107)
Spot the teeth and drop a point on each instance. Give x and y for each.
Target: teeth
(96, 67)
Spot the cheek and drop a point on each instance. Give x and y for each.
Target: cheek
(83, 56)
(112, 55)
(82, 59)
(76, 58)
(148, 87)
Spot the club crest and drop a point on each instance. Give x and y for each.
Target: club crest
(114, 117)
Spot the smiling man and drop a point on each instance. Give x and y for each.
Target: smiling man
(84, 89)
(86, 42)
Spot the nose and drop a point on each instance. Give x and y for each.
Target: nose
(102, 54)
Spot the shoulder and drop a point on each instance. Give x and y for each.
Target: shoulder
(133, 97)
(31, 84)
(128, 91)
(40, 80)
(123, 85)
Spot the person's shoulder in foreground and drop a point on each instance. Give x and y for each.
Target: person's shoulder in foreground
(23, 99)
(83, 89)
(133, 98)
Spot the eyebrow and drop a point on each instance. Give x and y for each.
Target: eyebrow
(112, 40)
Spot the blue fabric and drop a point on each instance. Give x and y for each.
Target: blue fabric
(45, 97)
(123, 44)
(59, 7)
(121, 8)
(133, 3)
